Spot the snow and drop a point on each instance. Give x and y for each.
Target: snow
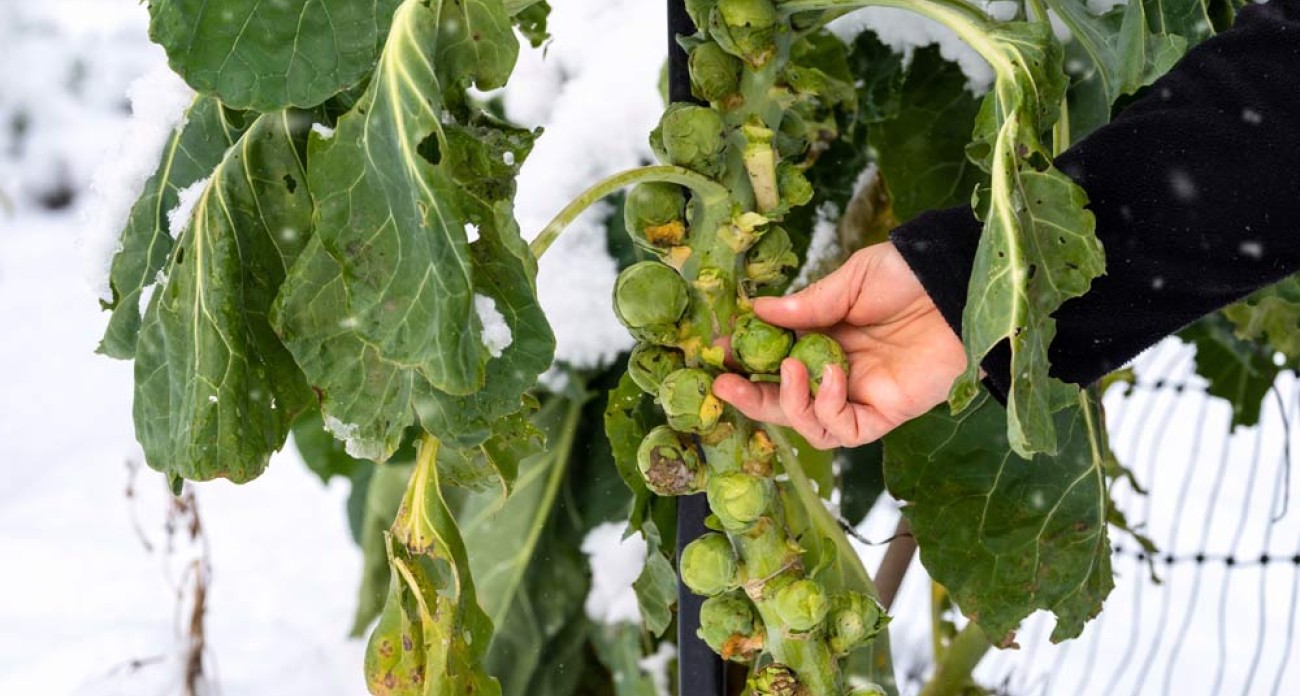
(496, 332)
(823, 245)
(593, 88)
(1182, 184)
(178, 218)
(353, 445)
(322, 130)
(656, 666)
(615, 564)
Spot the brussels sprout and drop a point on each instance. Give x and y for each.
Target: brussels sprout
(649, 298)
(771, 258)
(775, 679)
(854, 619)
(670, 463)
(745, 29)
(654, 215)
(708, 565)
(758, 346)
(691, 136)
(729, 626)
(795, 188)
(649, 364)
(802, 605)
(760, 453)
(816, 351)
(743, 230)
(688, 401)
(698, 11)
(739, 499)
(715, 74)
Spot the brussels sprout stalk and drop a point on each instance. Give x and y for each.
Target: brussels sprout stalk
(760, 164)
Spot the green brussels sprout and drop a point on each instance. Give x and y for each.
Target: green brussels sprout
(739, 499)
(729, 626)
(698, 11)
(688, 401)
(816, 351)
(745, 29)
(670, 463)
(760, 453)
(654, 215)
(708, 565)
(715, 74)
(649, 298)
(795, 188)
(771, 258)
(854, 619)
(775, 679)
(793, 138)
(690, 136)
(649, 364)
(802, 605)
(758, 346)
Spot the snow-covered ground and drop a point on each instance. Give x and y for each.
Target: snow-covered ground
(93, 587)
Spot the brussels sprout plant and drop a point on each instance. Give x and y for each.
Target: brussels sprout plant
(352, 272)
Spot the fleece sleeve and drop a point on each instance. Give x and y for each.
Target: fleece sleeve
(1196, 191)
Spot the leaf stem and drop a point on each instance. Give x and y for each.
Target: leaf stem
(952, 674)
(706, 189)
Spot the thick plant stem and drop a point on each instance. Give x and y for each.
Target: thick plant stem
(706, 189)
(953, 673)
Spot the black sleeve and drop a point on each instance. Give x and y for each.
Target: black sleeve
(1196, 191)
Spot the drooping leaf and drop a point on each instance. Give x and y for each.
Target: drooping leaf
(656, 586)
(1189, 19)
(383, 498)
(1005, 535)
(432, 637)
(381, 309)
(921, 145)
(191, 153)
(270, 55)
(216, 391)
(1038, 248)
(1238, 371)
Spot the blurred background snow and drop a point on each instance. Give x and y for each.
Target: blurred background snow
(97, 564)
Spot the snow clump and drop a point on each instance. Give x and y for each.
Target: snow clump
(178, 218)
(615, 564)
(496, 332)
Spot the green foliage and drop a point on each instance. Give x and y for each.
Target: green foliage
(1005, 535)
(216, 391)
(1239, 371)
(270, 55)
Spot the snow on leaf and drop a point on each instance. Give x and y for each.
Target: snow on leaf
(188, 156)
(398, 268)
(206, 350)
(1006, 536)
(178, 218)
(496, 332)
(270, 55)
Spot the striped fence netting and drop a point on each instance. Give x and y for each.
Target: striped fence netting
(1223, 507)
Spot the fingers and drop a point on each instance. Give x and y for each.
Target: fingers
(760, 402)
(823, 303)
(829, 420)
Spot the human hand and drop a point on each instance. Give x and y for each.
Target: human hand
(903, 356)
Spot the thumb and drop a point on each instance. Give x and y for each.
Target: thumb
(824, 303)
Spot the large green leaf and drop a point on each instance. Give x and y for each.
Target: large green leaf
(629, 415)
(1189, 19)
(191, 153)
(921, 145)
(1005, 535)
(1038, 248)
(215, 389)
(381, 309)
(270, 55)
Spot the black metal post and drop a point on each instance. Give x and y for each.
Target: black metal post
(699, 670)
